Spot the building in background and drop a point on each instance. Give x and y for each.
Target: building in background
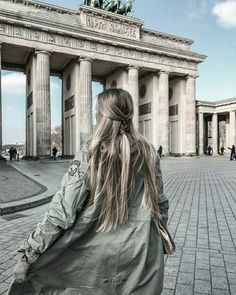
(216, 125)
(90, 44)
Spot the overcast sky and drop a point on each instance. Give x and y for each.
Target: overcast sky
(210, 23)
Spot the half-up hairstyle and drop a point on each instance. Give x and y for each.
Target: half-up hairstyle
(110, 148)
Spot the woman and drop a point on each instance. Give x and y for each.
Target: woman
(98, 236)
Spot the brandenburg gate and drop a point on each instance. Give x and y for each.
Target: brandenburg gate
(92, 44)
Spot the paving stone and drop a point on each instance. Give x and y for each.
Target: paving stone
(232, 289)
(168, 292)
(231, 278)
(203, 264)
(185, 278)
(202, 274)
(219, 283)
(188, 258)
(169, 282)
(202, 286)
(218, 271)
(220, 292)
(171, 271)
(217, 261)
(173, 261)
(230, 267)
(187, 267)
(3, 287)
(202, 256)
(182, 289)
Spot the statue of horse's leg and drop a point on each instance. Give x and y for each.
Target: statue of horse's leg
(100, 5)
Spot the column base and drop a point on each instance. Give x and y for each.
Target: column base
(176, 154)
(67, 157)
(30, 158)
(190, 154)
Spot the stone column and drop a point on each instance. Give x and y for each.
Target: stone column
(215, 134)
(201, 133)
(232, 124)
(190, 131)
(133, 89)
(163, 111)
(85, 104)
(155, 115)
(0, 105)
(227, 135)
(43, 109)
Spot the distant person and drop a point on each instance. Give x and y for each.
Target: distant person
(54, 153)
(222, 150)
(11, 153)
(160, 150)
(232, 154)
(209, 150)
(14, 153)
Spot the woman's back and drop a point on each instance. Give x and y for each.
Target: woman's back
(99, 236)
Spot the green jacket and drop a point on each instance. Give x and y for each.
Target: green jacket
(70, 257)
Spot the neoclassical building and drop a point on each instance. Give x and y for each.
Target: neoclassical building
(90, 44)
(216, 125)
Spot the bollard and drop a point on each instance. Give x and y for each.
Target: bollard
(18, 157)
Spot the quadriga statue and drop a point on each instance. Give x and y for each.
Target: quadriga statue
(113, 5)
(97, 3)
(125, 8)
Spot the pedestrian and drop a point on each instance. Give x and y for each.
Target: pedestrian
(14, 153)
(160, 149)
(209, 150)
(100, 235)
(222, 150)
(232, 153)
(11, 152)
(54, 153)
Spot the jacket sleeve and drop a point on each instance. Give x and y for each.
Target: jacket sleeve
(65, 205)
(162, 199)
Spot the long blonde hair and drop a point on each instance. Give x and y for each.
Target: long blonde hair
(110, 147)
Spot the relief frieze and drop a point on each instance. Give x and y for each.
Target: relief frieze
(51, 38)
(91, 46)
(18, 32)
(111, 26)
(2, 28)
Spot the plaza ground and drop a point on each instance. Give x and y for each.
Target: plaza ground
(202, 219)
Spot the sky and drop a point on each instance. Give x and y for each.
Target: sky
(210, 23)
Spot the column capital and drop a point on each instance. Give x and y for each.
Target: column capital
(133, 67)
(38, 51)
(163, 72)
(194, 76)
(85, 58)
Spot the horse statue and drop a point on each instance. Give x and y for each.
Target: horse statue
(97, 3)
(87, 2)
(125, 8)
(113, 5)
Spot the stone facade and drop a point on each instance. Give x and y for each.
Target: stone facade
(216, 125)
(159, 70)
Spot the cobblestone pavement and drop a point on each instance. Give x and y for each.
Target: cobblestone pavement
(15, 186)
(202, 219)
